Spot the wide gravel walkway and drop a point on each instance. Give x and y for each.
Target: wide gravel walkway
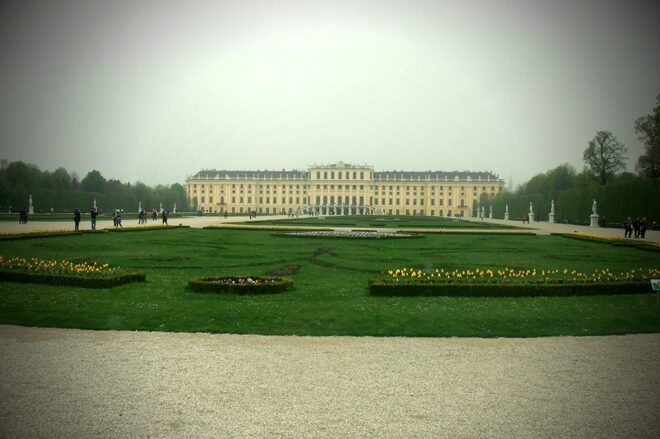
(63, 383)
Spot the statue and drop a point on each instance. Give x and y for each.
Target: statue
(506, 213)
(94, 203)
(552, 217)
(531, 208)
(139, 206)
(174, 210)
(30, 207)
(594, 208)
(160, 210)
(594, 215)
(531, 213)
(490, 213)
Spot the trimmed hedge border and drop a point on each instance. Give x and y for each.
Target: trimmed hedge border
(383, 288)
(617, 242)
(500, 232)
(77, 281)
(30, 235)
(145, 228)
(270, 228)
(288, 235)
(209, 284)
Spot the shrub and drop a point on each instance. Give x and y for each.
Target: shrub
(379, 287)
(64, 279)
(38, 234)
(240, 284)
(146, 228)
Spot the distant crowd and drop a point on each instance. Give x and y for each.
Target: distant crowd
(636, 225)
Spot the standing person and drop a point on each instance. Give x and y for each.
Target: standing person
(636, 227)
(226, 214)
(76, 218)
(627, 227)
(21, 216)
(153, 214)
(164, 215)
(643, 224)
(93, 214)
(114, 218)
(118, 218)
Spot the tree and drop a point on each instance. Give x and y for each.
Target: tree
(648, 129)
(605, 156)
(94, 182)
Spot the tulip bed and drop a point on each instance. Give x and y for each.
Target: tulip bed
(240, 284)
(330, 291)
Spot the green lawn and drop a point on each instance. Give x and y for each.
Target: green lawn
(330, 294)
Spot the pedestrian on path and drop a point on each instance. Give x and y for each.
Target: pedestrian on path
(76, 218)
(93, 214)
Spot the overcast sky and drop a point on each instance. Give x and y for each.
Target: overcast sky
(158, 90)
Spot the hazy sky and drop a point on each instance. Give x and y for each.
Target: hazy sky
(158, 90)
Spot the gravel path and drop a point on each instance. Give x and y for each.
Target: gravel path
(108, 384)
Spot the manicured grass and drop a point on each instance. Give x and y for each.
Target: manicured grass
(330, 293)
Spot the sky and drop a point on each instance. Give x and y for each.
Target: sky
(155, 91)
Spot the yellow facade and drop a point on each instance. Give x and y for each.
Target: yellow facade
(342, 189)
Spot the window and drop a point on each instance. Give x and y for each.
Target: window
(442, 202)
(210, 199)
(354, 175)
(339, 175)
(332, 175)
(325, 175)
(233, 199)
(449, 202)
(318, 175)
(361, 175)
(202, 199)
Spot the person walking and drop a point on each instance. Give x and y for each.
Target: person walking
(164, 215)
(93, 214)
(76, 218)
(154, 214)
(118, 218)
(636, 227)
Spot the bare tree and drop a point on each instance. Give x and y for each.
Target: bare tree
(605, 156)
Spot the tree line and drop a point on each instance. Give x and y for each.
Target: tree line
(619, 193)
(62, 191)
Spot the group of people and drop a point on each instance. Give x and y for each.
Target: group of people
(637, 225)
(22, 216)
(116, 217)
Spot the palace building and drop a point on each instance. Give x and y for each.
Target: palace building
(342, 189)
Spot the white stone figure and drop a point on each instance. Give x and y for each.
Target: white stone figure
(94, 203)
(30, 207)
(483, 215)
(531, 208)
(594, 215)
(174, 210)
(139, 206)
(552, 217)
(531, 212)
(506, 213)
(490, 214)
(160, 210)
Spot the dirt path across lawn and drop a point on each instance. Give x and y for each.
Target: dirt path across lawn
(64, 383)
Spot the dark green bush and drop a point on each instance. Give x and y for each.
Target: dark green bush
(386, 288)
(266, 285)
(30, 235)
(78, 281)
(147, 228)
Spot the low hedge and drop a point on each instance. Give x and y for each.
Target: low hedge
(146, 228)
(392, 236)
(385, 288)
(265, 285)
(77, 281)
(617, 242)
(30, 235)
(501, 232)
(269, 228)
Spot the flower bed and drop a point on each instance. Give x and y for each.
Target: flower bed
(65, 273)
(511, 282)
(353, 234)
(240, 284)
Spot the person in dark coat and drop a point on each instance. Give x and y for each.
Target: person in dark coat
(627, 227)
(76, 218)
(164, 215)
(636, 227)
(93, 214)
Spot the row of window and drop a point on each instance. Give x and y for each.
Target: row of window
(290, 210)
(318, 186)
(340, 175)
